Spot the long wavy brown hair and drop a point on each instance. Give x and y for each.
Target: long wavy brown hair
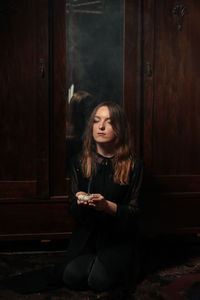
(123, 159)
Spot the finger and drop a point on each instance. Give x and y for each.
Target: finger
(80, 193)
(93, 201)
(80, 202)
(92, 205)
(98, 199)
(96, 195)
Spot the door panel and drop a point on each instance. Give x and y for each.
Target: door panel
(33, 191)
(24, 97)
(171, 140)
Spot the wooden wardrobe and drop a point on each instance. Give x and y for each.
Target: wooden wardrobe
(160, 80)
(33, 185)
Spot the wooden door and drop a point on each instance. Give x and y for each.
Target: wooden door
(171, 107)
(33, 200)
(24, 100)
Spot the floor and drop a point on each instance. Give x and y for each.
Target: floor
(167, 260)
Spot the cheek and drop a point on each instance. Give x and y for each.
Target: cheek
(112, 133)
(94, 130)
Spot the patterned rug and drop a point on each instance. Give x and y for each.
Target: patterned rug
(165, 263)
(169, 265)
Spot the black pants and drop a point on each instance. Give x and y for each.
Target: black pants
(87, 271)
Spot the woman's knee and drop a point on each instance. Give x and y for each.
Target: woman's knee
(76, 272)
(99, 284)
(71, 276)
(99, 279)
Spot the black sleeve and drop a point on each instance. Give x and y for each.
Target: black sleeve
(128, 211)
(81, 214)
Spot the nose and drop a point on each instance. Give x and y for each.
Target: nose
(102, 125)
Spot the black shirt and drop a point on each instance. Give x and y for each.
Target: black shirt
(125, 196)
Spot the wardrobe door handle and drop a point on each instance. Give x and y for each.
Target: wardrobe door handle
(148, 69)
(42, 68)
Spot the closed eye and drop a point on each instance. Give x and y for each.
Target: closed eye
(107, 120)
(96, 120)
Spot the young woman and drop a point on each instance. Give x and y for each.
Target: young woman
(102, 253)
(103, 248)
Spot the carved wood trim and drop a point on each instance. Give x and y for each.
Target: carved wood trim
(179, 10)
(148, 11)
(18, 189)
(41, 220)
(132, 69)
(42, 101)
(58, 99)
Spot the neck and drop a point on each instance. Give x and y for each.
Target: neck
(106, 150)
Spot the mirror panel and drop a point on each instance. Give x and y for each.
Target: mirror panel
(95, 47)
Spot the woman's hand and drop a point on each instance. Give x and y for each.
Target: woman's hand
(81, 202)
(99, 203)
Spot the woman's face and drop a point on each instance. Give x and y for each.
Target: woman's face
(102, 128)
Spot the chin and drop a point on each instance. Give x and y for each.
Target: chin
(102, 140)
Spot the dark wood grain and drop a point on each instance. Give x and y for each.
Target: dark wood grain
(132, 69)
(17, 189)
(175, 213)
(32, 116)
(148, 62)
(176, 126)
(18, 106)
(38, 219)
(42, 101)
(171, 137)
(59, 99)
(161, 97)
